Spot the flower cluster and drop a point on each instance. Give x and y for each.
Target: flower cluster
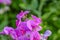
(27, 29)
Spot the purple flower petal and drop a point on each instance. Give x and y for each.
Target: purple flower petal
(29, 24)
(18, 22)
(2, 33)
(33, 26)
(47, 33)
(38, 28)
(7, 30)
(36, 35)
(22, 14)
(10, 31)
(13, 34)
(37, 20)
(25, 37)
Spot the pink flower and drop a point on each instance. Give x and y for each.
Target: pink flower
(7, 2)
(26, 30)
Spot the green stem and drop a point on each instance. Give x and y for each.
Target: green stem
(41, 6)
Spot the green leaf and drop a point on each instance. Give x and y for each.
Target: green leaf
(4, 23)
(36, 12)
(34, 4)
(57, 23)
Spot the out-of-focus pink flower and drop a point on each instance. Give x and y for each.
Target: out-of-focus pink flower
(0, 1)
(7, 2)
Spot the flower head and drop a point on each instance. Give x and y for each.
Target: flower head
(26, 30)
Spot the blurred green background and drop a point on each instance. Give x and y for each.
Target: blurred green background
(48, 10)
